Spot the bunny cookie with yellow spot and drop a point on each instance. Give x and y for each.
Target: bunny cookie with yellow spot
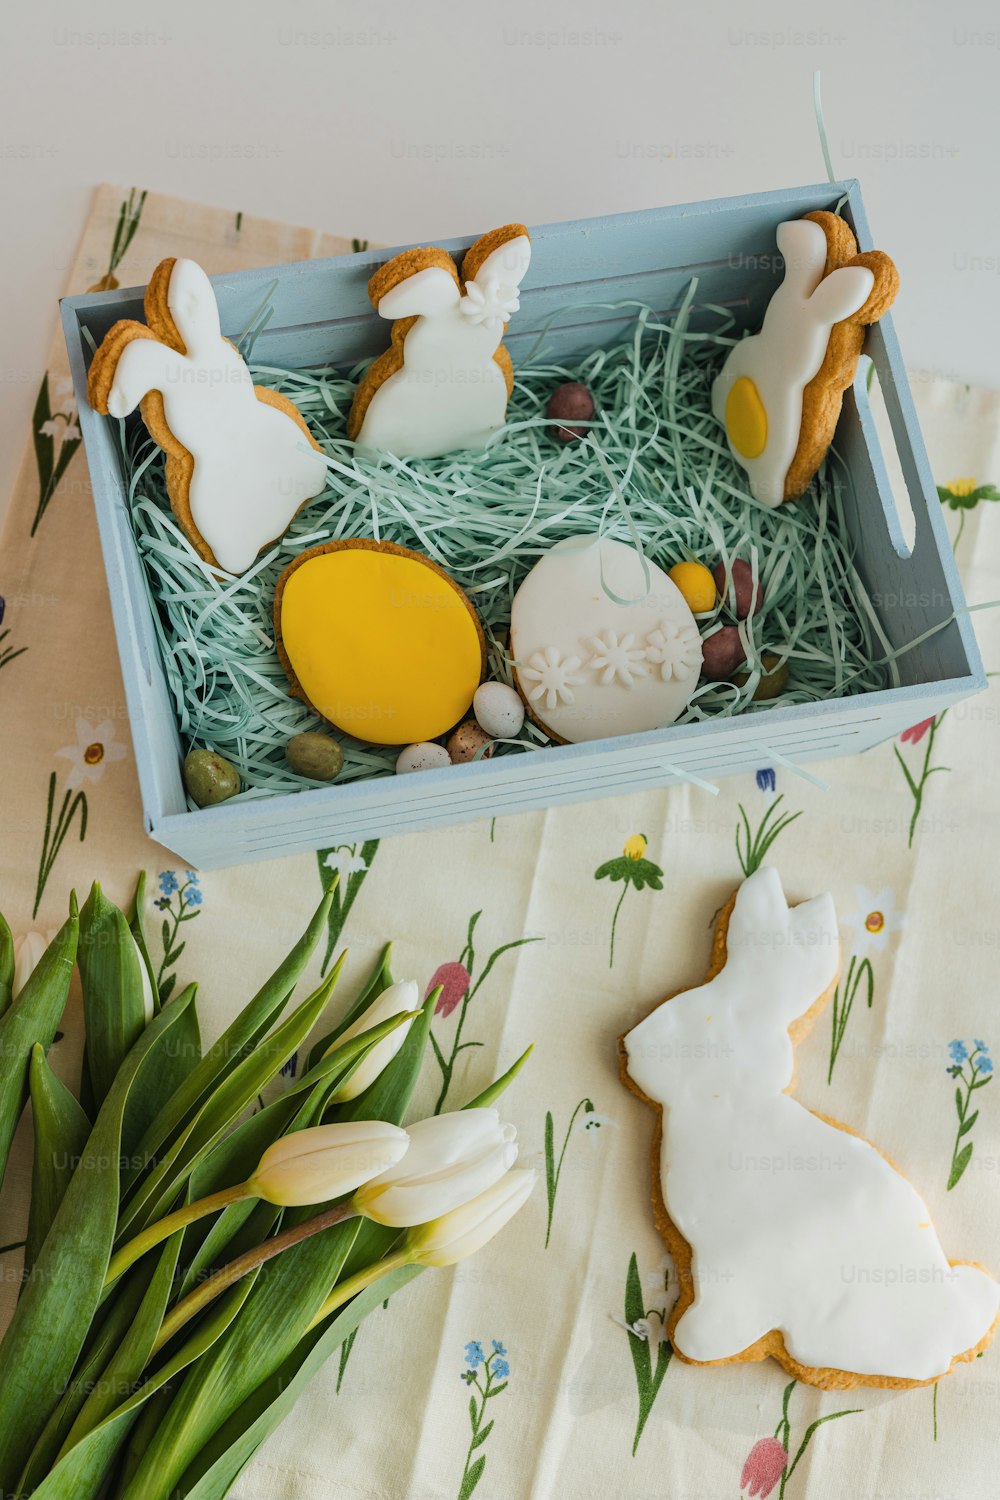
(240, 459)
(780, 391)
(444, 381)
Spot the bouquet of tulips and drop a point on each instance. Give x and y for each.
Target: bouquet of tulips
(190, 1264)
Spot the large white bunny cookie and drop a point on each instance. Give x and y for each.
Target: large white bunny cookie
(793, 1236)
(444, 381)
(240, 459)
(603, 642)
(780, 391)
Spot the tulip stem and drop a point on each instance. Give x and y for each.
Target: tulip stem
(213, 1286)
(164, 1228)
(357, 1283)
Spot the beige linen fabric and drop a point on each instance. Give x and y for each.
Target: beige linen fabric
(926, 917)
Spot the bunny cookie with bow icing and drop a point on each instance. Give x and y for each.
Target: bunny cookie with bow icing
(792, 1235)
(240, 459)
(444, 381)
(780, 391)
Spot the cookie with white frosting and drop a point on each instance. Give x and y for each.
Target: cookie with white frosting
(603, 642)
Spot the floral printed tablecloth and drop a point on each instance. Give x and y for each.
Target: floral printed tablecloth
(540, 1368)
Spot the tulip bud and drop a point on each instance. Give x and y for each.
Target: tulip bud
(398, 997)
(27, 953)
(149, 1008)
(311, 1166)
(452, 1159)
(465, 1230)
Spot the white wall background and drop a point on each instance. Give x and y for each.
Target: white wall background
(416, 119)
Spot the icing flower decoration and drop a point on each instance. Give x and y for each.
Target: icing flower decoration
(766, 1463)
(491, 303)
(553, 677)
(676, 650)
(617, 658)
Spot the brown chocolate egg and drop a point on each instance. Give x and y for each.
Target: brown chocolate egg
(570, 403)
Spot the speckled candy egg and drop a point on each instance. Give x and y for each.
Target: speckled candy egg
(570, 403)
(422, 757)
(210, 778)
(499, 710)
(469, 742)
(315, 755)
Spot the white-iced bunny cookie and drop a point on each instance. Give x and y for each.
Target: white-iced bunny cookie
(780, 391)
(444, 381)
(793, 1237)
(240, 458)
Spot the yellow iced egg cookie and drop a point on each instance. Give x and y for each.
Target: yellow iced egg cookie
(378, 640)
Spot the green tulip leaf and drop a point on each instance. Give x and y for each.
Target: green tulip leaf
(134, 917)
(56, 1307)
(249, 1027)
(33, 1017)
(220, 1461)
(61, 1129)
(111, 978)
(6, 964)
(82, 1473)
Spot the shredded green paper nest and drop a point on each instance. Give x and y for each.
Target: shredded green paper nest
(655, 470)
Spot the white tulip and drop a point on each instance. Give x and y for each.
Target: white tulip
(451, 1159)
(27, 953)
(401, 996)
(310, 1166)
(147, 988)
(465, 1230)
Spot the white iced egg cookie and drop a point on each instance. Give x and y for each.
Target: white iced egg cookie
(780, 391)
(589, 666)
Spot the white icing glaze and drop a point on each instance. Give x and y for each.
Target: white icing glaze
(253, 467)
(675, 649)
(786, 354)
(794, 1225)
(582, 660)
(450, 393)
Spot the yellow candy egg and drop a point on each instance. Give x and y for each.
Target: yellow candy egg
(379, 641)
(696, 584)
(746, 419)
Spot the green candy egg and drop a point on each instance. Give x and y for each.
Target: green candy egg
(210, 778)
(315, 755)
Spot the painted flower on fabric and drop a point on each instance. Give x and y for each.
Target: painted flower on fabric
(767, 781)
(765, 1465)
(617, 658)
(632, 868)
(346, 862)
(95, 748)
(553, 677)
(454, 979)
(590, 1124)
(916, 732)
(474, 1355)
(876, 918)
(676, 650)
(966, 494)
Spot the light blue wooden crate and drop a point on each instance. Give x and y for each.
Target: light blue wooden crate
(321, 311)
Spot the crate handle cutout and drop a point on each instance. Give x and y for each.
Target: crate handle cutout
(887, 467)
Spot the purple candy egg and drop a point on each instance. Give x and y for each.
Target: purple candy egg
(571, 402)
(740, 585)
(722, 654)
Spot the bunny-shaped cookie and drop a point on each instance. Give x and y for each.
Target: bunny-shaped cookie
(444, 381)
(240, 459)
(780, 391)
(792, 1235)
